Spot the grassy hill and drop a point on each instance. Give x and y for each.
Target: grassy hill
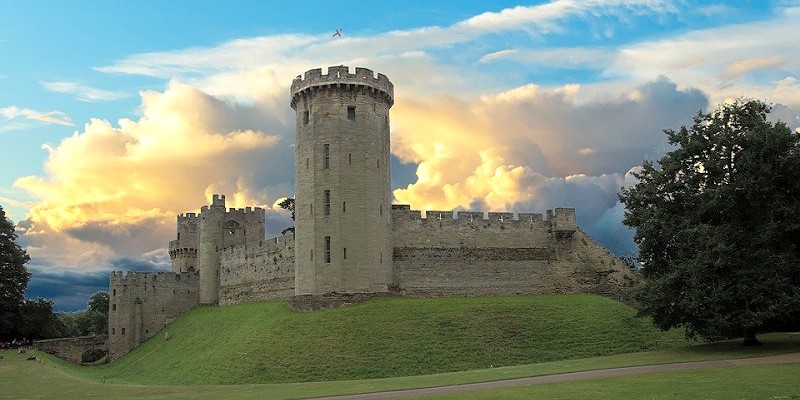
(265, 342)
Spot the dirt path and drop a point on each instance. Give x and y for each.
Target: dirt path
(790, 358)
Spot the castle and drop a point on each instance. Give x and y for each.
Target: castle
(349, 238)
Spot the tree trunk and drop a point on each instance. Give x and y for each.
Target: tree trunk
(750, 338)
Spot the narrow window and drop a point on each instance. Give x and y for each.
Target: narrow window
(378, 163)
(351, 113)
(146, 331)
(327, 249)
(381, 209)
(114, 307)
(311, 209)
(327, 202)
(326, 154)
(306, 162)
(381, 257)
(113, 331)
(114, 292)
(312, 254)
(349, 158)
(123, 331)
(344, 207)
(305, 117)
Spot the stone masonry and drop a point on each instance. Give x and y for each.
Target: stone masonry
(350, 242)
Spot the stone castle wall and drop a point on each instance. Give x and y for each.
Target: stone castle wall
(498, 254)
(142, 303)
(72, 348)
(257, 271)
(349, 238)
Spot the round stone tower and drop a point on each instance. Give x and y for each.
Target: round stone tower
(343, 185)
(210, 244)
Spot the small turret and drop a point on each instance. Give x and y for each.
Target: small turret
(211, 219)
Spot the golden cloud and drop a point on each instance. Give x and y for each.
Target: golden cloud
(107, 184)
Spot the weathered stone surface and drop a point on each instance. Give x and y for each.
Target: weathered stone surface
(343, 204)
(142, 303)
(313, 302)
(72, 348)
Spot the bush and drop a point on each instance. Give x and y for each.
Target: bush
(92, 355)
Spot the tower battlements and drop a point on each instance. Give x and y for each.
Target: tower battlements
(187, 217)
(340, 76)
(138, 278)
(402, 212)
(217, 203)
(559, 219)
(243, 212)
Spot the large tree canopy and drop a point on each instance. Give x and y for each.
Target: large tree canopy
(717, 222)
(13, 276)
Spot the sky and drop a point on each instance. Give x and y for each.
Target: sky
(117, 116)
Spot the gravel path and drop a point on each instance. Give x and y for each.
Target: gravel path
(790, 358)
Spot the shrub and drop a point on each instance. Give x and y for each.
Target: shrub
(92, 355)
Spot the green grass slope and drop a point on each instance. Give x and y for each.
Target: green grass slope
(265, 342)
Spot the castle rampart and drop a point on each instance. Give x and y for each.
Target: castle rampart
(257, 271)
(348, 238)
(498, 253)
(142, 303)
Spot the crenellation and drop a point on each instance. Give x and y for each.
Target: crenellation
(503, 217)
(348, 236)
(339, 77)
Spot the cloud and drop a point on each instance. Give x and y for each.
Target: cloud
(531, 149)
(544, 17)
(568, 58)
(497, 55)
(711, 59)
(69, 290)
(82, 92)
(405, 55)
(747, 65)
(49, 117)
(114, 191)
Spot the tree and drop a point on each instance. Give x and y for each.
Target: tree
(95, 320)
(717, 222)
(99, 302)
(13, 276)
(288, 204)
(37, 321)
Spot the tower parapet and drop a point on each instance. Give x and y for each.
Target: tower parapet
(339, 76)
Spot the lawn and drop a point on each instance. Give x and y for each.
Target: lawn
(47, 379)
